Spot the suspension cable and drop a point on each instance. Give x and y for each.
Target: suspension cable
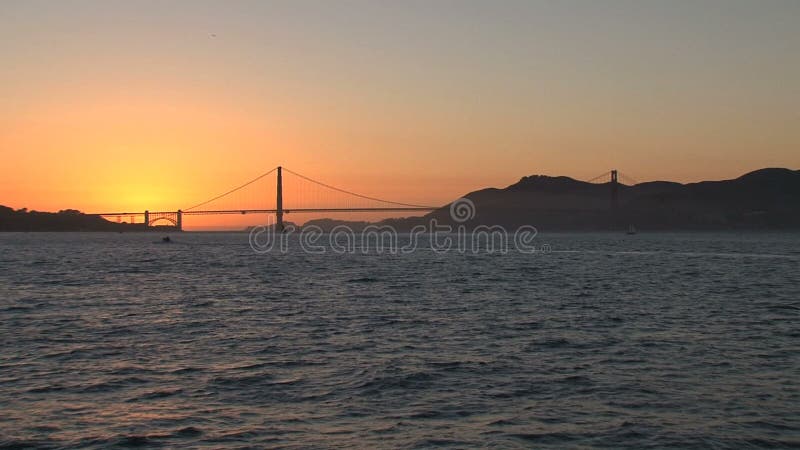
(598, 177)
(232, 190)
(353, 193)
(626, 178)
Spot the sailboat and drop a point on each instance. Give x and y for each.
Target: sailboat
(631, 229)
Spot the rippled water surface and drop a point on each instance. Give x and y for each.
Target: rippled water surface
(653, 340)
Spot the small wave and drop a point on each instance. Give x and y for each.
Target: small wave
(529, 325)
(502, 423)
(155, 395)
(16, 444)
(553, 343)
(240, 435)
(130, 370)
(784, 307)
(436, 414)
(290, 363)
(46, 389)
(545, 438)
(250, 366)
(446, 364)
(413, 380)
(235, 382)
(202, 304)
(136, 441)
(144, 440)
(68, 353)
(440, 443)
(576, 380)
(111, 385)
(188, 432)
(132, 271)
(185, 370)
(363, 280)
(17, 309)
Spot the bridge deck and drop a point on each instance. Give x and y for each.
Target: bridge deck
(269, 211)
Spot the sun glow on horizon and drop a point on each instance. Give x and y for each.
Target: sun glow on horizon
(110, 106)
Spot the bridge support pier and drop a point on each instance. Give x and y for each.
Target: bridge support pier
(279, 202)
(614, 191)
(179, 221)
(146, 218)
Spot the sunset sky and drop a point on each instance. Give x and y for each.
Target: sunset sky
(116, 105)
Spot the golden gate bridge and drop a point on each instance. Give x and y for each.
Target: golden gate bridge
(310, 196)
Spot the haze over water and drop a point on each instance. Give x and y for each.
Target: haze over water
(655, 340)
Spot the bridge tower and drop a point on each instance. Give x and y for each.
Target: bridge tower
(279, 201)
(179, 221)
(146, 218)
(614, 190)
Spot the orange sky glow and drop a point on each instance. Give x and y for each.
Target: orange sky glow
(110, 106)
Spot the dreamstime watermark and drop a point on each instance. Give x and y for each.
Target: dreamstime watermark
(386, 239)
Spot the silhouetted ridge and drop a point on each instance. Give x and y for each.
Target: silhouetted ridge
(770, 175)
(549, 184)
(64, 220)
(762, 199)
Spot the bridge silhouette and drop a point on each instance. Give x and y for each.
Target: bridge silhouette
(310, 196)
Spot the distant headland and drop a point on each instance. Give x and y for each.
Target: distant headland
(764, 199)
(64, 220)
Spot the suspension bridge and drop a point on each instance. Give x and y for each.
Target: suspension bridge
(307, 196)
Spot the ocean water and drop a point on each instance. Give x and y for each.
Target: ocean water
(649, 341)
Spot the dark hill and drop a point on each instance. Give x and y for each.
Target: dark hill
(65, 220)
(763, 199)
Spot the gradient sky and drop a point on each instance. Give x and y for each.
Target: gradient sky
(116, 105)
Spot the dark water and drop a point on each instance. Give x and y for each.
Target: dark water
(663, 340)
